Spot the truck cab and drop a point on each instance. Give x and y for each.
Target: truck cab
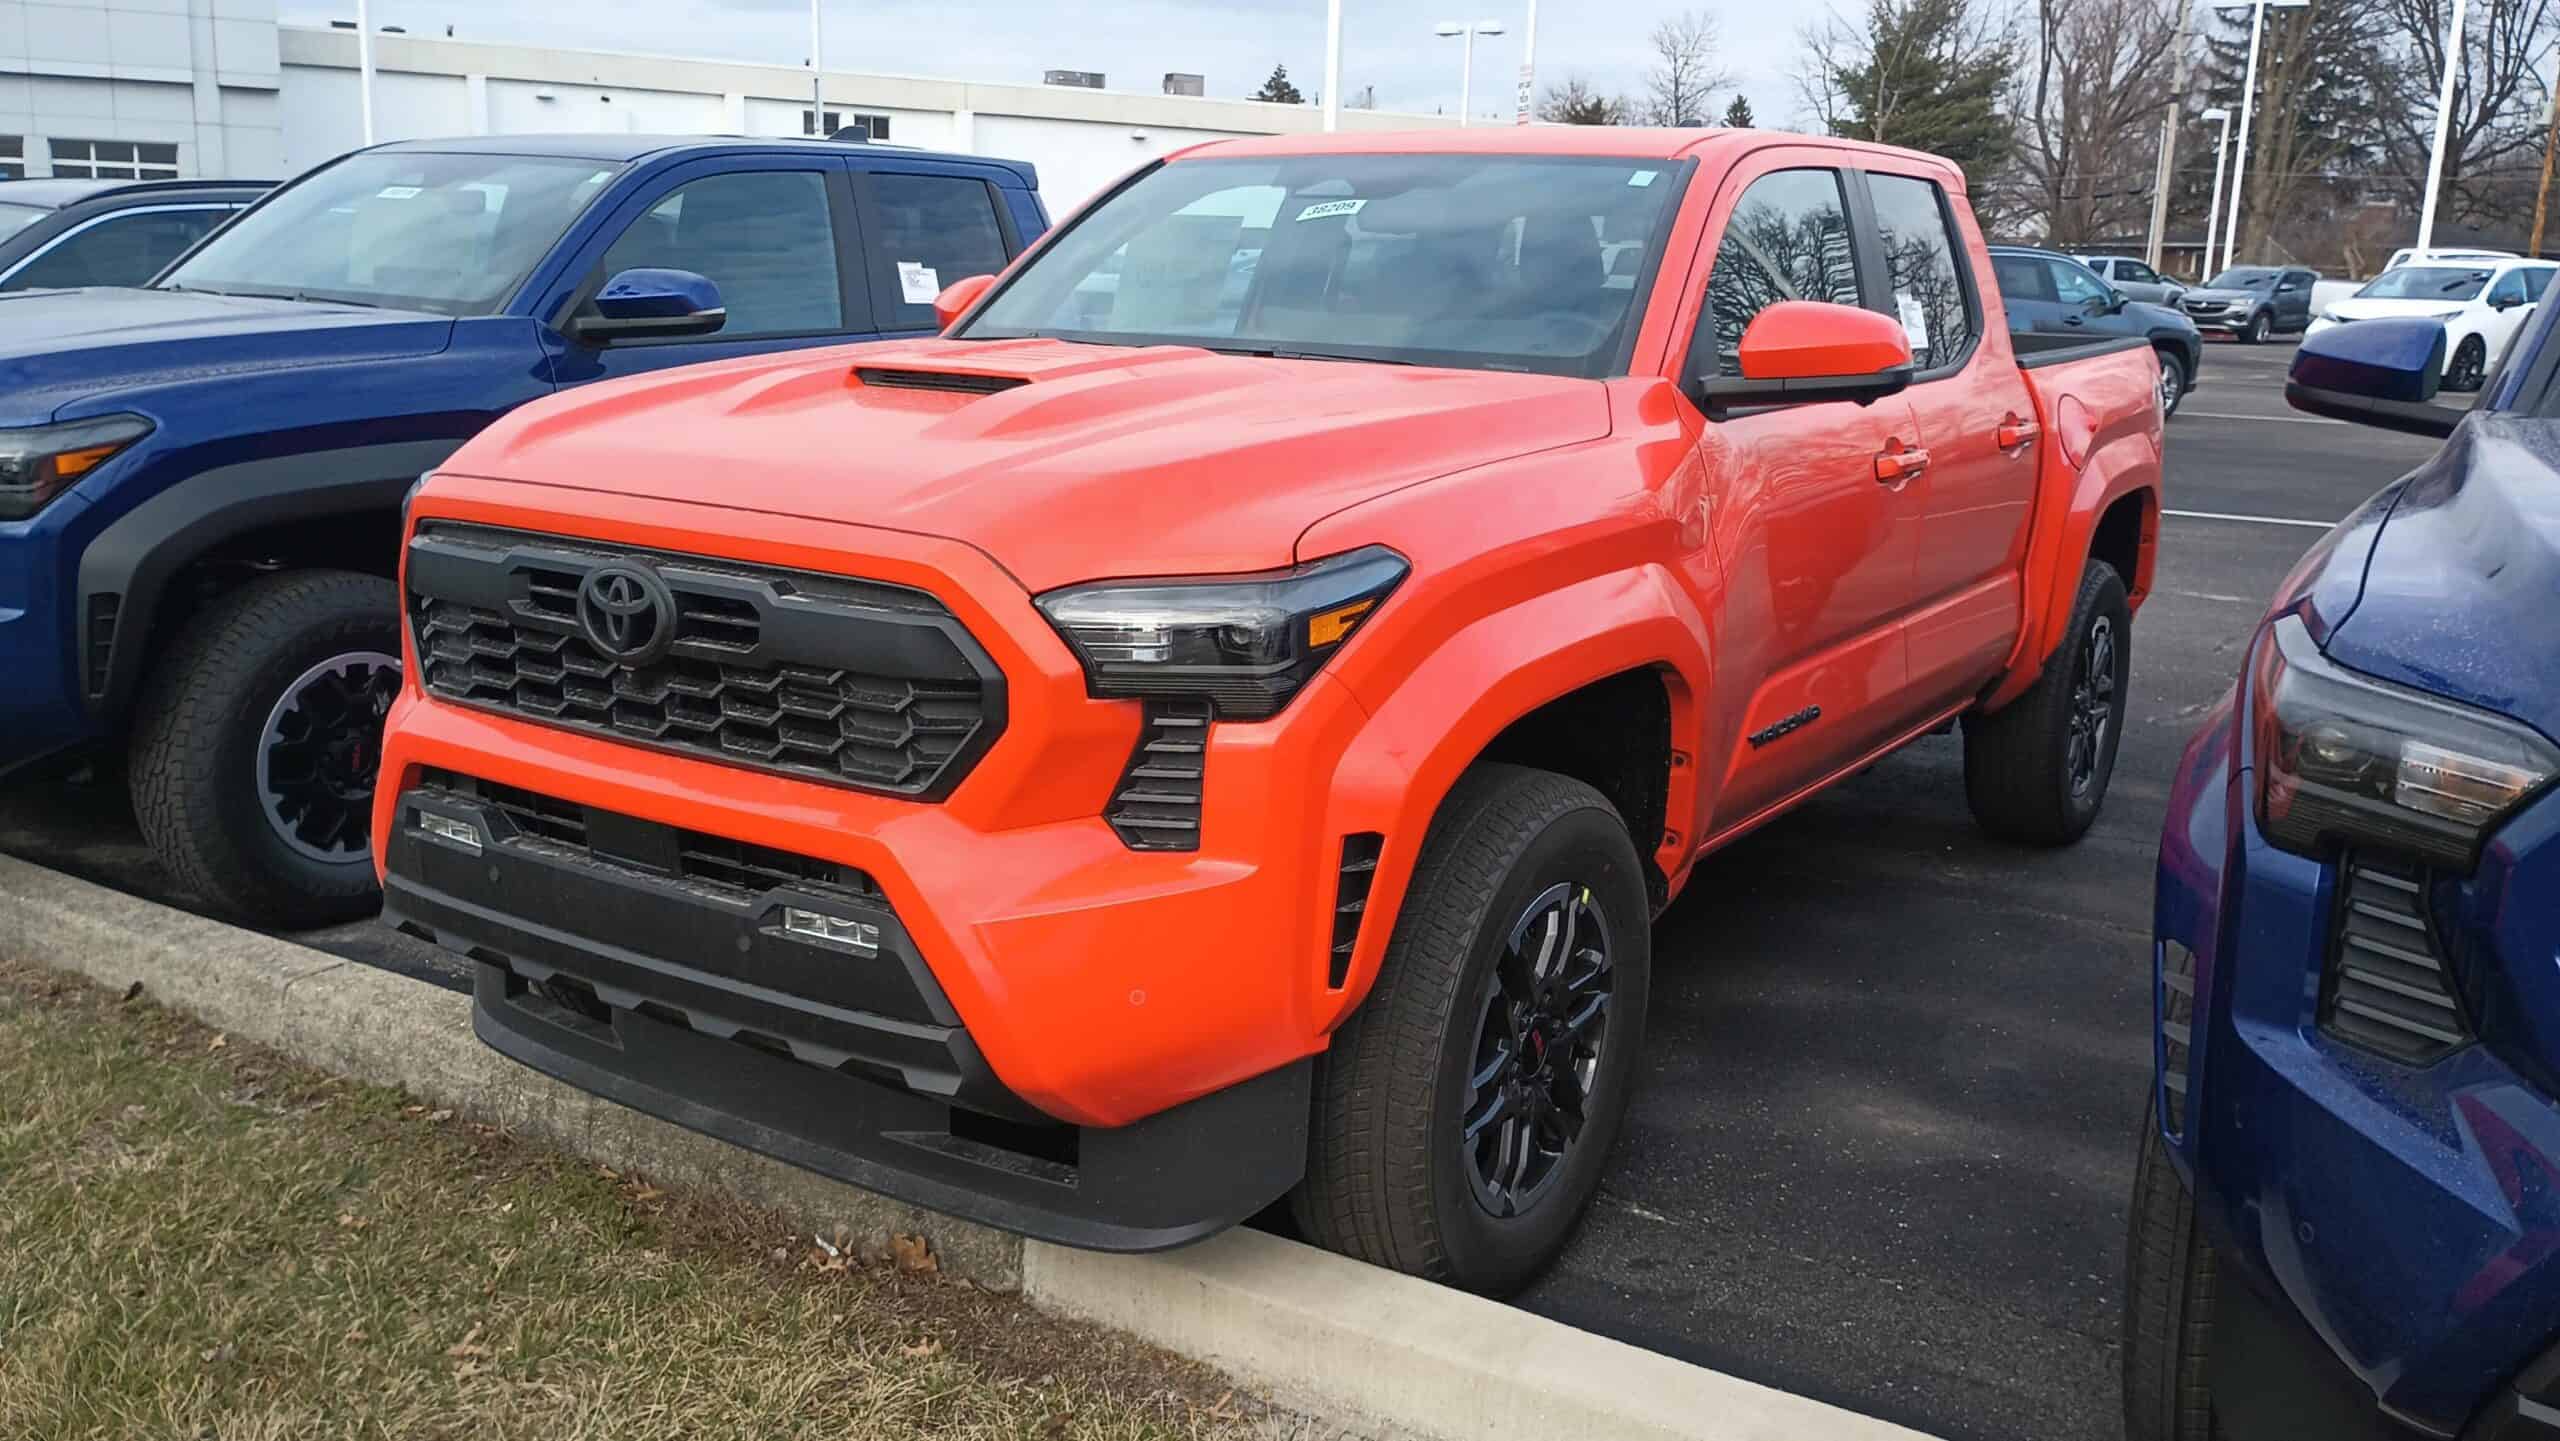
(201, 481)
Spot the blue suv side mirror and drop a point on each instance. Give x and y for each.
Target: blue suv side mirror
(648, 303)
(2381, 373)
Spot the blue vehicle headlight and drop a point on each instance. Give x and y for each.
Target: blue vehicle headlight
(40, 462)
(2345, 760)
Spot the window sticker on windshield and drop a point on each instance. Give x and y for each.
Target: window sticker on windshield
(1642, 178)
(1331, 207)
(1915, 321)
(397, 192)
(917, 282)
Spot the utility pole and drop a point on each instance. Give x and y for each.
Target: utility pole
(2169, 138)
(2542, 197)
(1333, 65)
(2444, 121)
(817, 72)
(2248, 114)
(364, 65)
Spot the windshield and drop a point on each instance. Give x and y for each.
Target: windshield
(2243, 277)
(2427, 282)
(453, 234)
(14, 218)
(1488, 262)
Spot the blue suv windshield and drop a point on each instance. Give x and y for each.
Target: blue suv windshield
(451, 234)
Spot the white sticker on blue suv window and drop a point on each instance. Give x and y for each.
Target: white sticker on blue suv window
(397, 192)
(917, 282)
(1322, 209)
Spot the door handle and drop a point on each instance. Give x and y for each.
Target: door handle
(2014, 432)
(1893, 467)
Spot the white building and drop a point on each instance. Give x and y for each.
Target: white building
(219, 88)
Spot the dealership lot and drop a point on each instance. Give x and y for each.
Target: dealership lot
(1883, 1152)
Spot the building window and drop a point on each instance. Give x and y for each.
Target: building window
(13, 157)
(114, 160)
(870, 127)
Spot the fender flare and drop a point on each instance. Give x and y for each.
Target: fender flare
(127, 567)
(2055, 560)
(1415, 745)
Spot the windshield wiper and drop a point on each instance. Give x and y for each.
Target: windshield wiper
(1273, 352)
(299, 297)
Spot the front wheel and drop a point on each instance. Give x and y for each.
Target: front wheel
(2469, 368)
(254, 752)
(2173, 383)
(2255, 332)
(2168, 1306)
(1464, 1113)
(2037, 770)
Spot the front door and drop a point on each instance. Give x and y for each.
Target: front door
(780, 240)
(1815, 549)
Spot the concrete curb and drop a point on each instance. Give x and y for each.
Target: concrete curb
(1321, 1333)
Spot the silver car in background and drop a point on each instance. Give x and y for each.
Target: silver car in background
(2137, 280)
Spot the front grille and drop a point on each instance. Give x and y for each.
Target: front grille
(740, 869)
(1157, 807)
(2388, 990)
(853, 682)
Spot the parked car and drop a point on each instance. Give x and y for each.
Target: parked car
(2050, 293)
(200, 482)
(2251, 302)
(2483, 307)
(57, 234)
(2405, 255)
(1115, 765)
(2349, 1191)
(2135, 279)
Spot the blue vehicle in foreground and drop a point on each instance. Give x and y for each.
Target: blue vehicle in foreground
(2346, 1222)
(201, 482)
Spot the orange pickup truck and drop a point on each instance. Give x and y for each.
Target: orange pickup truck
(1218, 723)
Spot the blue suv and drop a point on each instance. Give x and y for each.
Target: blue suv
(2346, 1219)
(201, 482)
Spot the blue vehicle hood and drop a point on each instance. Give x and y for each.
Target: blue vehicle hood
(2461, 586)
(62, 346)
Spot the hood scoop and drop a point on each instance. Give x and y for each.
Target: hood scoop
(961, 382)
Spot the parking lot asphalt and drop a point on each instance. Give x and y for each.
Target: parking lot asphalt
(1883, 1150)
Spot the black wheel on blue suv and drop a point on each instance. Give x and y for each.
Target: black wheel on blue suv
(1463, 1115)
(2036, 771)
(2168, 1306)
(256, 741)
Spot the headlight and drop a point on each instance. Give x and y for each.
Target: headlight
(1246, 643)
(2346, 760)
(42, 462)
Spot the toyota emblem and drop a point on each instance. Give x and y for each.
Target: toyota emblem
(627, 613)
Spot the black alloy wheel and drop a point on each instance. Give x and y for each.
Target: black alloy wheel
(1537, 1050)
(2470, 367)
(2093, 703)
(319, 752)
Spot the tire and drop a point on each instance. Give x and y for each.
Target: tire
(2255, 332)
(2469, 368)
(279, 687)
(1390, 1178)
(2173, 382)
(2168, 1306)
(2022, 774)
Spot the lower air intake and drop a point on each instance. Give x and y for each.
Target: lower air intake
(2388, 989)
(1157, 807)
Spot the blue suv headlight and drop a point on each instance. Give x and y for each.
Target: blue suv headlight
(41, 462)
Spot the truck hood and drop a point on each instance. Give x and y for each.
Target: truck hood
(59, 346)
(2458, 591)
(1064, 462)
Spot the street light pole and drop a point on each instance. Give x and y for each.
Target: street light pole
(2444, 120)
(1333, 65)
(364, 65)
(2248, 112)
(2213, 213)
(1528, 66)
(817, 72)
(1467, 33)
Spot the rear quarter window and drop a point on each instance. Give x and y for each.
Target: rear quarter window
(924, 232)
(1922, 265)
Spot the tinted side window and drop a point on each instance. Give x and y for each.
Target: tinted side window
(120, 250)
(2137, 272)
(1788, 240)
(931, 230)
(765, 238)
(2022, 277)
(2510, 289)
(2074, 285)
(1920, 260)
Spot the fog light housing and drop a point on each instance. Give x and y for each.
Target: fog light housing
(451, 831)
(860, 937)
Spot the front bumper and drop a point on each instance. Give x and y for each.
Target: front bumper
(41, 709)
(2389, 1232)
(658, 969)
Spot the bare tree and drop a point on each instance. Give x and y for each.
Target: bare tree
(2497, 96)
(2088, 109)
(1684, 73)
(1575, 102)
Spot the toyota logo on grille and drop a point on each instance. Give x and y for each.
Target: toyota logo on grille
(627, 613)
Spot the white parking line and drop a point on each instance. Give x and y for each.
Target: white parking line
(2228, 415)
(2251, 519)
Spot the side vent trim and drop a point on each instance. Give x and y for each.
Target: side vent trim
(2389, 990)
(1156, 806)
(957, 381)
(1360, 852)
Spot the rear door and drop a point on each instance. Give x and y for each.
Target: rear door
(1814, 550)
(777, 234)
(1976, 422)
(2026, 292)
(926, 225)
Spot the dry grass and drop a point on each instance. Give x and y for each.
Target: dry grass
(199, 1240)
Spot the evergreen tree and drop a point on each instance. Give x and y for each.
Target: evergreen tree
(1278, 90)
(1737, 116)
(2316, 121)
(1927, 74)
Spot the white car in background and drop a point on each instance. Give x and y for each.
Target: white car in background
(2482, 303)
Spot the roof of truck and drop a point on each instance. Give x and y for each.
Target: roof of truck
(1629, 142)
(626, 149)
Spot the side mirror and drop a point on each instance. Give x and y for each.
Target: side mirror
(957, 298)
(2381, 373)
(1805, 350)
(2117, 300)
(647, 304)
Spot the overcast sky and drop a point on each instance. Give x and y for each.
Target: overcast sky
(1386, 43)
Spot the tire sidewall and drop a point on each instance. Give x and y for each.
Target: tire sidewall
(2176, 394)
(1493, 1254)
(2256, 333)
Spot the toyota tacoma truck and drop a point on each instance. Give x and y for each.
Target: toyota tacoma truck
(200, 481)
(1159, 748)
